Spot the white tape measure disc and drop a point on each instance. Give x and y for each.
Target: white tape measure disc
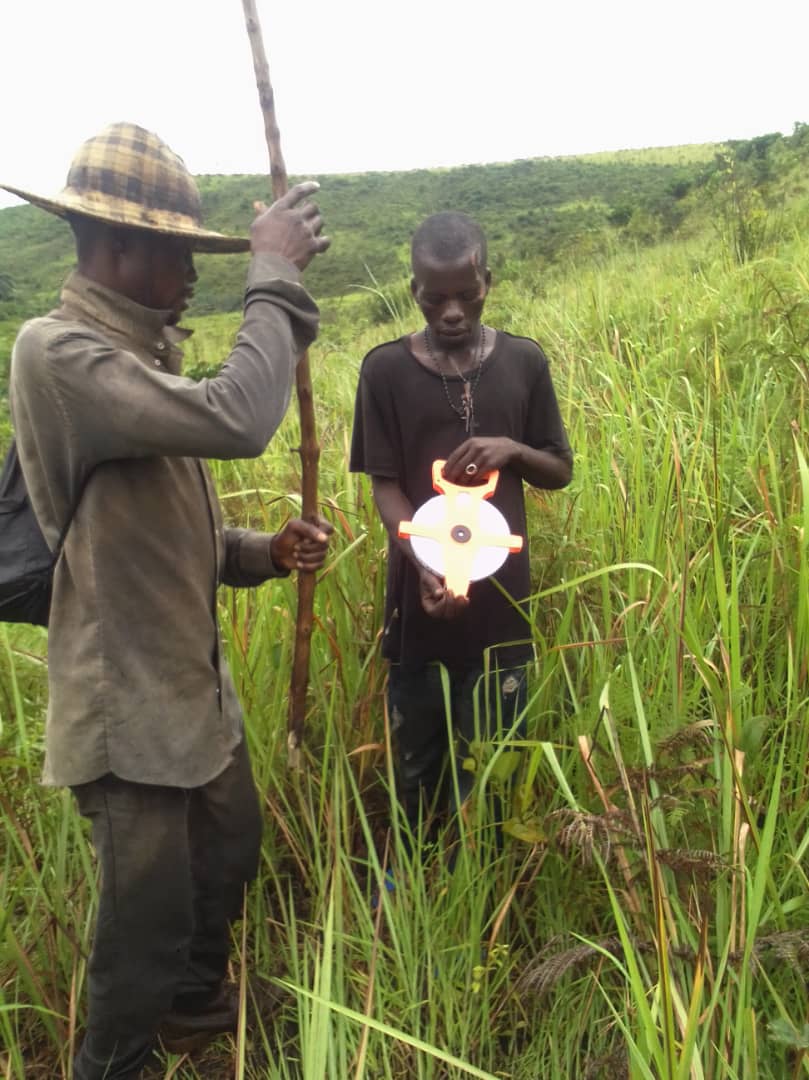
(489, 521)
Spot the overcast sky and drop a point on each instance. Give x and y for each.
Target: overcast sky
(368, 85)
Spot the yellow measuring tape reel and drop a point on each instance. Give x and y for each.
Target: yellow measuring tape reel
(458, 534)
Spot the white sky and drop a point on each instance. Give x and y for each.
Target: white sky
(368, 85)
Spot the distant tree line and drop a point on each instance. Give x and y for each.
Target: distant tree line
(547, 210)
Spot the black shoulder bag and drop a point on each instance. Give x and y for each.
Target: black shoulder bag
(26, 561)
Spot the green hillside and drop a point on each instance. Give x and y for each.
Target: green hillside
(545, 209)
(541, 215)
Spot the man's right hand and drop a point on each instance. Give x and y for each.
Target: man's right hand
(290, 227)
(437, 600)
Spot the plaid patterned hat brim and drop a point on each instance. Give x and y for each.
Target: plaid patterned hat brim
(117, 211)
(128, 176)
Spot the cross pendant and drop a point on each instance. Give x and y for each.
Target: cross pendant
(468, 410)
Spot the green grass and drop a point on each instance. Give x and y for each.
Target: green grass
(648, 916)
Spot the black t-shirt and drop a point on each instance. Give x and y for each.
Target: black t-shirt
(402, 423)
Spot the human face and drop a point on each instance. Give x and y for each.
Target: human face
(451, 297)
(160, 272)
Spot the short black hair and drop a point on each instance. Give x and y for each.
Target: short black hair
(448, 236)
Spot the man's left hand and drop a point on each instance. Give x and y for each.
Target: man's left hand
(486, 454)
(301, 545)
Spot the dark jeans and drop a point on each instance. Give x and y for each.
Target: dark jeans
(481, 706)
(174, 863)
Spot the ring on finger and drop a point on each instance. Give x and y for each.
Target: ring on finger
(471, 469)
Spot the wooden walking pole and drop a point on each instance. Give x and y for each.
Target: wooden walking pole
(309, 448)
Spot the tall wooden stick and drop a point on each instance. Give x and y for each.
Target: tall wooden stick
(309, 448)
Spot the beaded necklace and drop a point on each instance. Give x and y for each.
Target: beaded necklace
(466, 410)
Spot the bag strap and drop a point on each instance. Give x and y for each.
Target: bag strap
(13, 456)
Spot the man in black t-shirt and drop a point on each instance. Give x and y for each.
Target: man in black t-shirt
(483, 400)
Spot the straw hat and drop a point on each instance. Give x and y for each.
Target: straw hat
(128, 176)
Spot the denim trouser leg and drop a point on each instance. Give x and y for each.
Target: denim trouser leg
(486, 706)
(482, 706)
(159, 930)
(419, 728)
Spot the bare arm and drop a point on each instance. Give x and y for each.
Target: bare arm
(539, 468)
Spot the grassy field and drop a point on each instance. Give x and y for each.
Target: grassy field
(648, 915)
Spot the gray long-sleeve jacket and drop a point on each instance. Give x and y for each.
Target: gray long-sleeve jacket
(138, 684)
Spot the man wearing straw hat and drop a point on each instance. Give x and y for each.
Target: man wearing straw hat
(143, 722)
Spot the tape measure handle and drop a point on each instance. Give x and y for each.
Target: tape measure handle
(479, 491)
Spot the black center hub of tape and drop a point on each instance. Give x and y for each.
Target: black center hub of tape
(461, 534)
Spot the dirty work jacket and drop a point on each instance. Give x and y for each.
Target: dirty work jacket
(138, 684)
